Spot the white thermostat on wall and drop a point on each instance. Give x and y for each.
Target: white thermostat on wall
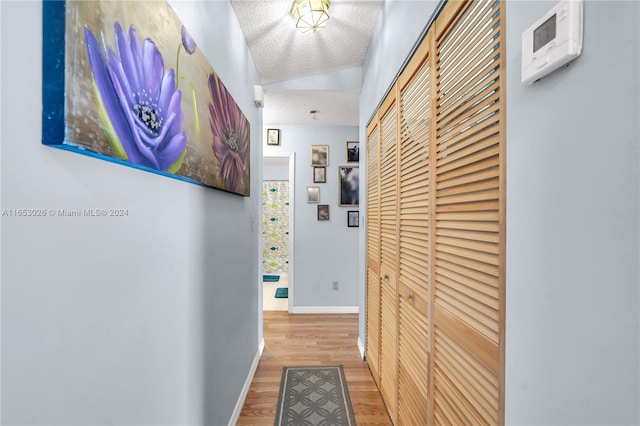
(552, 41)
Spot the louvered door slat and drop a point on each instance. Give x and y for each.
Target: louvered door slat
(468, 250)
(482, 77)
(481, 185)
(458, 84)
(470, 21)
(480, 281)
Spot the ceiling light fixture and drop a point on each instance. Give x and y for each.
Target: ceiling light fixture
(309, 15)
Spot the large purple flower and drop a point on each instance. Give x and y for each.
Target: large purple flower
(138, 101)
(230, 130)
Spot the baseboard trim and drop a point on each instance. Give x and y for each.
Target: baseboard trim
(247, 384)
(325, 310)
(361, 347)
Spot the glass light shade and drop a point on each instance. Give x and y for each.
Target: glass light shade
(309, 15)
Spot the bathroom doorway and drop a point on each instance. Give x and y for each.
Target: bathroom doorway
(277, 235)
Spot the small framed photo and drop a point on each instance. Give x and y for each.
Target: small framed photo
(319, 175)
(319, 155)
(353, 152)
(323, 212)
(353, 218)
(313, 194)
(273, 136)
(349, 185)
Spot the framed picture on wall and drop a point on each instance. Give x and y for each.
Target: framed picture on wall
(319, 175)
(323, 212)
(273, 137)
(319, 155)
(353, 218)
(353, 152)
(113, 90)
(349, 185)
(313, 194)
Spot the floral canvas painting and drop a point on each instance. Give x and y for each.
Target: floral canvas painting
(138, 91)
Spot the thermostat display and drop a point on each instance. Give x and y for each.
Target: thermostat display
(552, 41)
(544, 33)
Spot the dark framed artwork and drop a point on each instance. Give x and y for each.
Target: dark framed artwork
(131, 87)
(319, 155)
(353, 152)
(353, 218)
(349, 181)
(273, 136)
(319, 175)
(323, 211)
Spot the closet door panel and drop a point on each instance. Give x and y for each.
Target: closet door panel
(373, 253)
(413, 366)
(373, 323)
(469, 213)
(388, 345)
(389, 256)
(414, 239)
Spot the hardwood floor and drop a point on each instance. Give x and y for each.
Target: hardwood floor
(292, 340)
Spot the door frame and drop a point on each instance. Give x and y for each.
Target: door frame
(290, 158)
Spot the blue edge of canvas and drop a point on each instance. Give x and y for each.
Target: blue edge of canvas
(53, 87)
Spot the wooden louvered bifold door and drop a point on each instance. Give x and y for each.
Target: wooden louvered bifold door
(414, 237)
(373, 254)
(469, 246)
(437, 213)
(388, 259)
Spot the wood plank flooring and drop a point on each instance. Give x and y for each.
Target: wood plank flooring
(292, 340)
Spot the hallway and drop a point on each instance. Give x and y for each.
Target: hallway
(292, 340)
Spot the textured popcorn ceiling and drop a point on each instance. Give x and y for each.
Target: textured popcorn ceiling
(282, 53)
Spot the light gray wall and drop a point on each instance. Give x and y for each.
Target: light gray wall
(275, 172)
(572, 215)
(325, 251)
(150, 318)
(397, 31)
(348, 80)
(573, 224)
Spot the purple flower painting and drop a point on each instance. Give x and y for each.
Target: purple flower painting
(138, 90)
(143, 115)
(230, 130)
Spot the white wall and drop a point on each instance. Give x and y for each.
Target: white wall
(150, 318)
(573, 224)
(572, 346)
(325, 251)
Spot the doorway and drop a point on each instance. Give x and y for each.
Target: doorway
(277, 238)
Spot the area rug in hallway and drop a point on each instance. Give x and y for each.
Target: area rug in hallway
(314, 395)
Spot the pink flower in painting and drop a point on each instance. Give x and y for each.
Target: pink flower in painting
(230, 130)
